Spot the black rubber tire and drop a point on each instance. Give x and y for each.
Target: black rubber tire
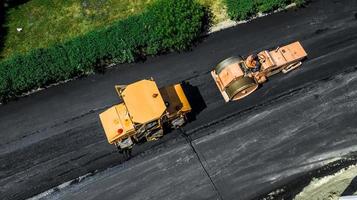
(241, 87)
(127, 154)
(225, 63)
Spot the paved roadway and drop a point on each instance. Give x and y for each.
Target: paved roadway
(292, 124)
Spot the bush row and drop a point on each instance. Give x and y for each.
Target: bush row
(243, 9)
(166, 25)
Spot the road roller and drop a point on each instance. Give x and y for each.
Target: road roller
(145, 113)
(237, 77)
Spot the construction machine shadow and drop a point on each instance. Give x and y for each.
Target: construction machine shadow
(195, 98)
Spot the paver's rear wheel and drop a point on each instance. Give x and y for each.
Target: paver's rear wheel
(225, 63)
(127, 153)
(241, 88)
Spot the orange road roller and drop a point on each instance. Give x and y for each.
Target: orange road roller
(237, 77)
(145, 113)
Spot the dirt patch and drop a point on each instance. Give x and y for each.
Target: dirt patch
(296, 186)
(331, 187)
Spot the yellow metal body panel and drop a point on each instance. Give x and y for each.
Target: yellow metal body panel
(186, 107)
(175, 99)
(116, 122)
(143, 101)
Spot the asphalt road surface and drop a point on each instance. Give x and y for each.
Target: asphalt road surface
(241, 150)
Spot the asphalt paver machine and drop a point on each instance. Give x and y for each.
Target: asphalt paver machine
(145, 113)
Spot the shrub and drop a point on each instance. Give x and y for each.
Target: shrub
(185, 15)
(243, 9)
(240, 9)
(167, 25)
(267, 6)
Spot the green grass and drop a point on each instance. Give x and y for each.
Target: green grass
(164, 26)
(46, 22)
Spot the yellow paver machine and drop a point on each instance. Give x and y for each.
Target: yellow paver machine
(144, 114)
(237, 77)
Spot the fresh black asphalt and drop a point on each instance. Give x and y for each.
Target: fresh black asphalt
(292, 124)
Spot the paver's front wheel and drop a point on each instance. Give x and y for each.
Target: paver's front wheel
(241, 88)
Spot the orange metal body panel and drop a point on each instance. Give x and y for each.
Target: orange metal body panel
(143, 101)
(268, 61)
(291, 53)
(176, 100)
(186, 107)
(282, 56)
(228, 74)
(114, 119)
(219, 85)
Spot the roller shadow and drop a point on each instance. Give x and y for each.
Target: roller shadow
(195, 98)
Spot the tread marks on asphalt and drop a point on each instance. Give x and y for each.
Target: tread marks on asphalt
(321, 30)
(189, 141)
(283, 96)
